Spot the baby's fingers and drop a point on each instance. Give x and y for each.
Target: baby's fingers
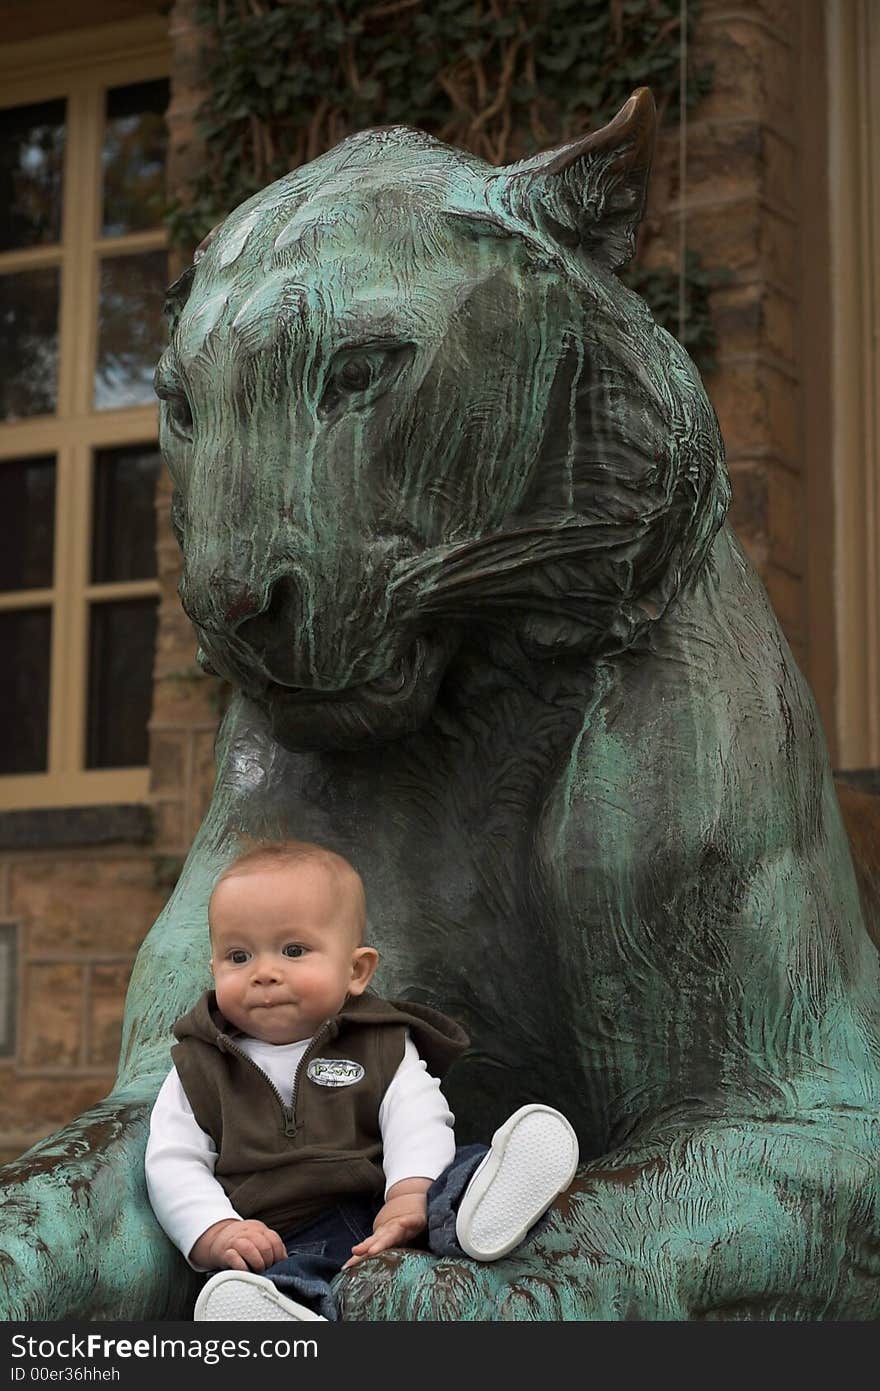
(391, 1235)
(231, 1260)
(277, 1248)
(250, 1253)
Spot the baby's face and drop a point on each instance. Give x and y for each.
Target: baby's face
(284, 950)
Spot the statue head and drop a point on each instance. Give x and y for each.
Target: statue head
(406, 399)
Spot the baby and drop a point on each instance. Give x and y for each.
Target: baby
(302, 1128)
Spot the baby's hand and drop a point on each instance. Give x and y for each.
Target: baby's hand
(403, 1217)
(234, 1245)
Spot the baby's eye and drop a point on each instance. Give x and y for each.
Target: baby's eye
(238, 957)
(293, 949)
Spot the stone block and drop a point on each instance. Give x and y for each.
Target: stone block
(724, 161)
(168, 762)
(176, 642)
(171, 837)
(788, 597)
(780, 16)
(779, 170)
(779, 326)
(164, 489)
(787, 515)
(52, 1015)
(747, 238)
(181, 701)
(756, 550)
(168, 567)
(107, 988)
(801, 656)
(754, 68)
(11, 1149)
(755, 317)
(757, 408)
(749, 502)
(203, 777)
(40, 1101)
(85, 905)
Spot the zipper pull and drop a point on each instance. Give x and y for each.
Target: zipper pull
(290, 1125)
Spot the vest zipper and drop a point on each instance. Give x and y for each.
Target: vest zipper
(306, 1057)
(288, 1113)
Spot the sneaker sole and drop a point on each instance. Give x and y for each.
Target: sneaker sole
(238, 1296)
(533, 1159)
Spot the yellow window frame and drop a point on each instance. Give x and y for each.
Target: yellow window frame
(79, 66)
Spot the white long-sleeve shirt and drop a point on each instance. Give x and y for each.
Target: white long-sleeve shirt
(414, 1121)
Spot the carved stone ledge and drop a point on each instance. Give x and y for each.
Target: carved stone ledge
(865, 779)
(45, 828)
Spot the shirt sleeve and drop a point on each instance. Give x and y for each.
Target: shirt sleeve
(415, 1121)
(179, 1165)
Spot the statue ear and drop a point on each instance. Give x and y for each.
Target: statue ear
(177, 294)
(590, 193)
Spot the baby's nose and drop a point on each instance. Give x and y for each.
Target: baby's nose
(266, 969)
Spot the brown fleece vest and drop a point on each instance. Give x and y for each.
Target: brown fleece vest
(285, 1165)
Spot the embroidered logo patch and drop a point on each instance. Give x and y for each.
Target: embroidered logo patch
(334, 1072)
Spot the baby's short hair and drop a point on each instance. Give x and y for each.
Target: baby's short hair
(276, 854)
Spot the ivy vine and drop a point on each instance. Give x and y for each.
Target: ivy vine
(288, 79)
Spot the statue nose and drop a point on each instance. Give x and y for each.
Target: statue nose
(221, 607)
(264, 627)
(238, 607)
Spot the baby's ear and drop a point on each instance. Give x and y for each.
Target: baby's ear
(363, 963)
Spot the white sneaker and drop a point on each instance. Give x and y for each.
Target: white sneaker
(239, 1296)
(532, 1160)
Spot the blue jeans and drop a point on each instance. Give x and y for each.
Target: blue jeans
(317, 1252)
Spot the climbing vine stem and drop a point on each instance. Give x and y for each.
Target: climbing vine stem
(283, 80)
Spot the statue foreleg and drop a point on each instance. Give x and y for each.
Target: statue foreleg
(740, 1221)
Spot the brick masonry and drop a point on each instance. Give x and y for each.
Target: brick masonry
(742, 214)
(79, 915)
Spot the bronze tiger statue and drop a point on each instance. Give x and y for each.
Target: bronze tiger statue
(452, 511)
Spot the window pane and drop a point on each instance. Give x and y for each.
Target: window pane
(28, 343)
(31, 164)
(131, 330)
(27, 503)
(25, 635)
(121, 643)
(124, 514)
(134, 157)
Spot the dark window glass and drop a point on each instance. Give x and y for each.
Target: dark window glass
(27, 510)
(122, 639)
(31, 166)
(28, 343)
(135, 138)
(131, 330)
(124, 514)
(25, 636)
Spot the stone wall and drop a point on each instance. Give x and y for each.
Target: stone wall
(73, 918)
(741, 215)
(186, 703)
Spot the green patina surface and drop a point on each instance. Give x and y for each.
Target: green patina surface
(452, 512)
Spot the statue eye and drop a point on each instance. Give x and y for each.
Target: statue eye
(356, 374)
(178, 410)
(363, 375)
